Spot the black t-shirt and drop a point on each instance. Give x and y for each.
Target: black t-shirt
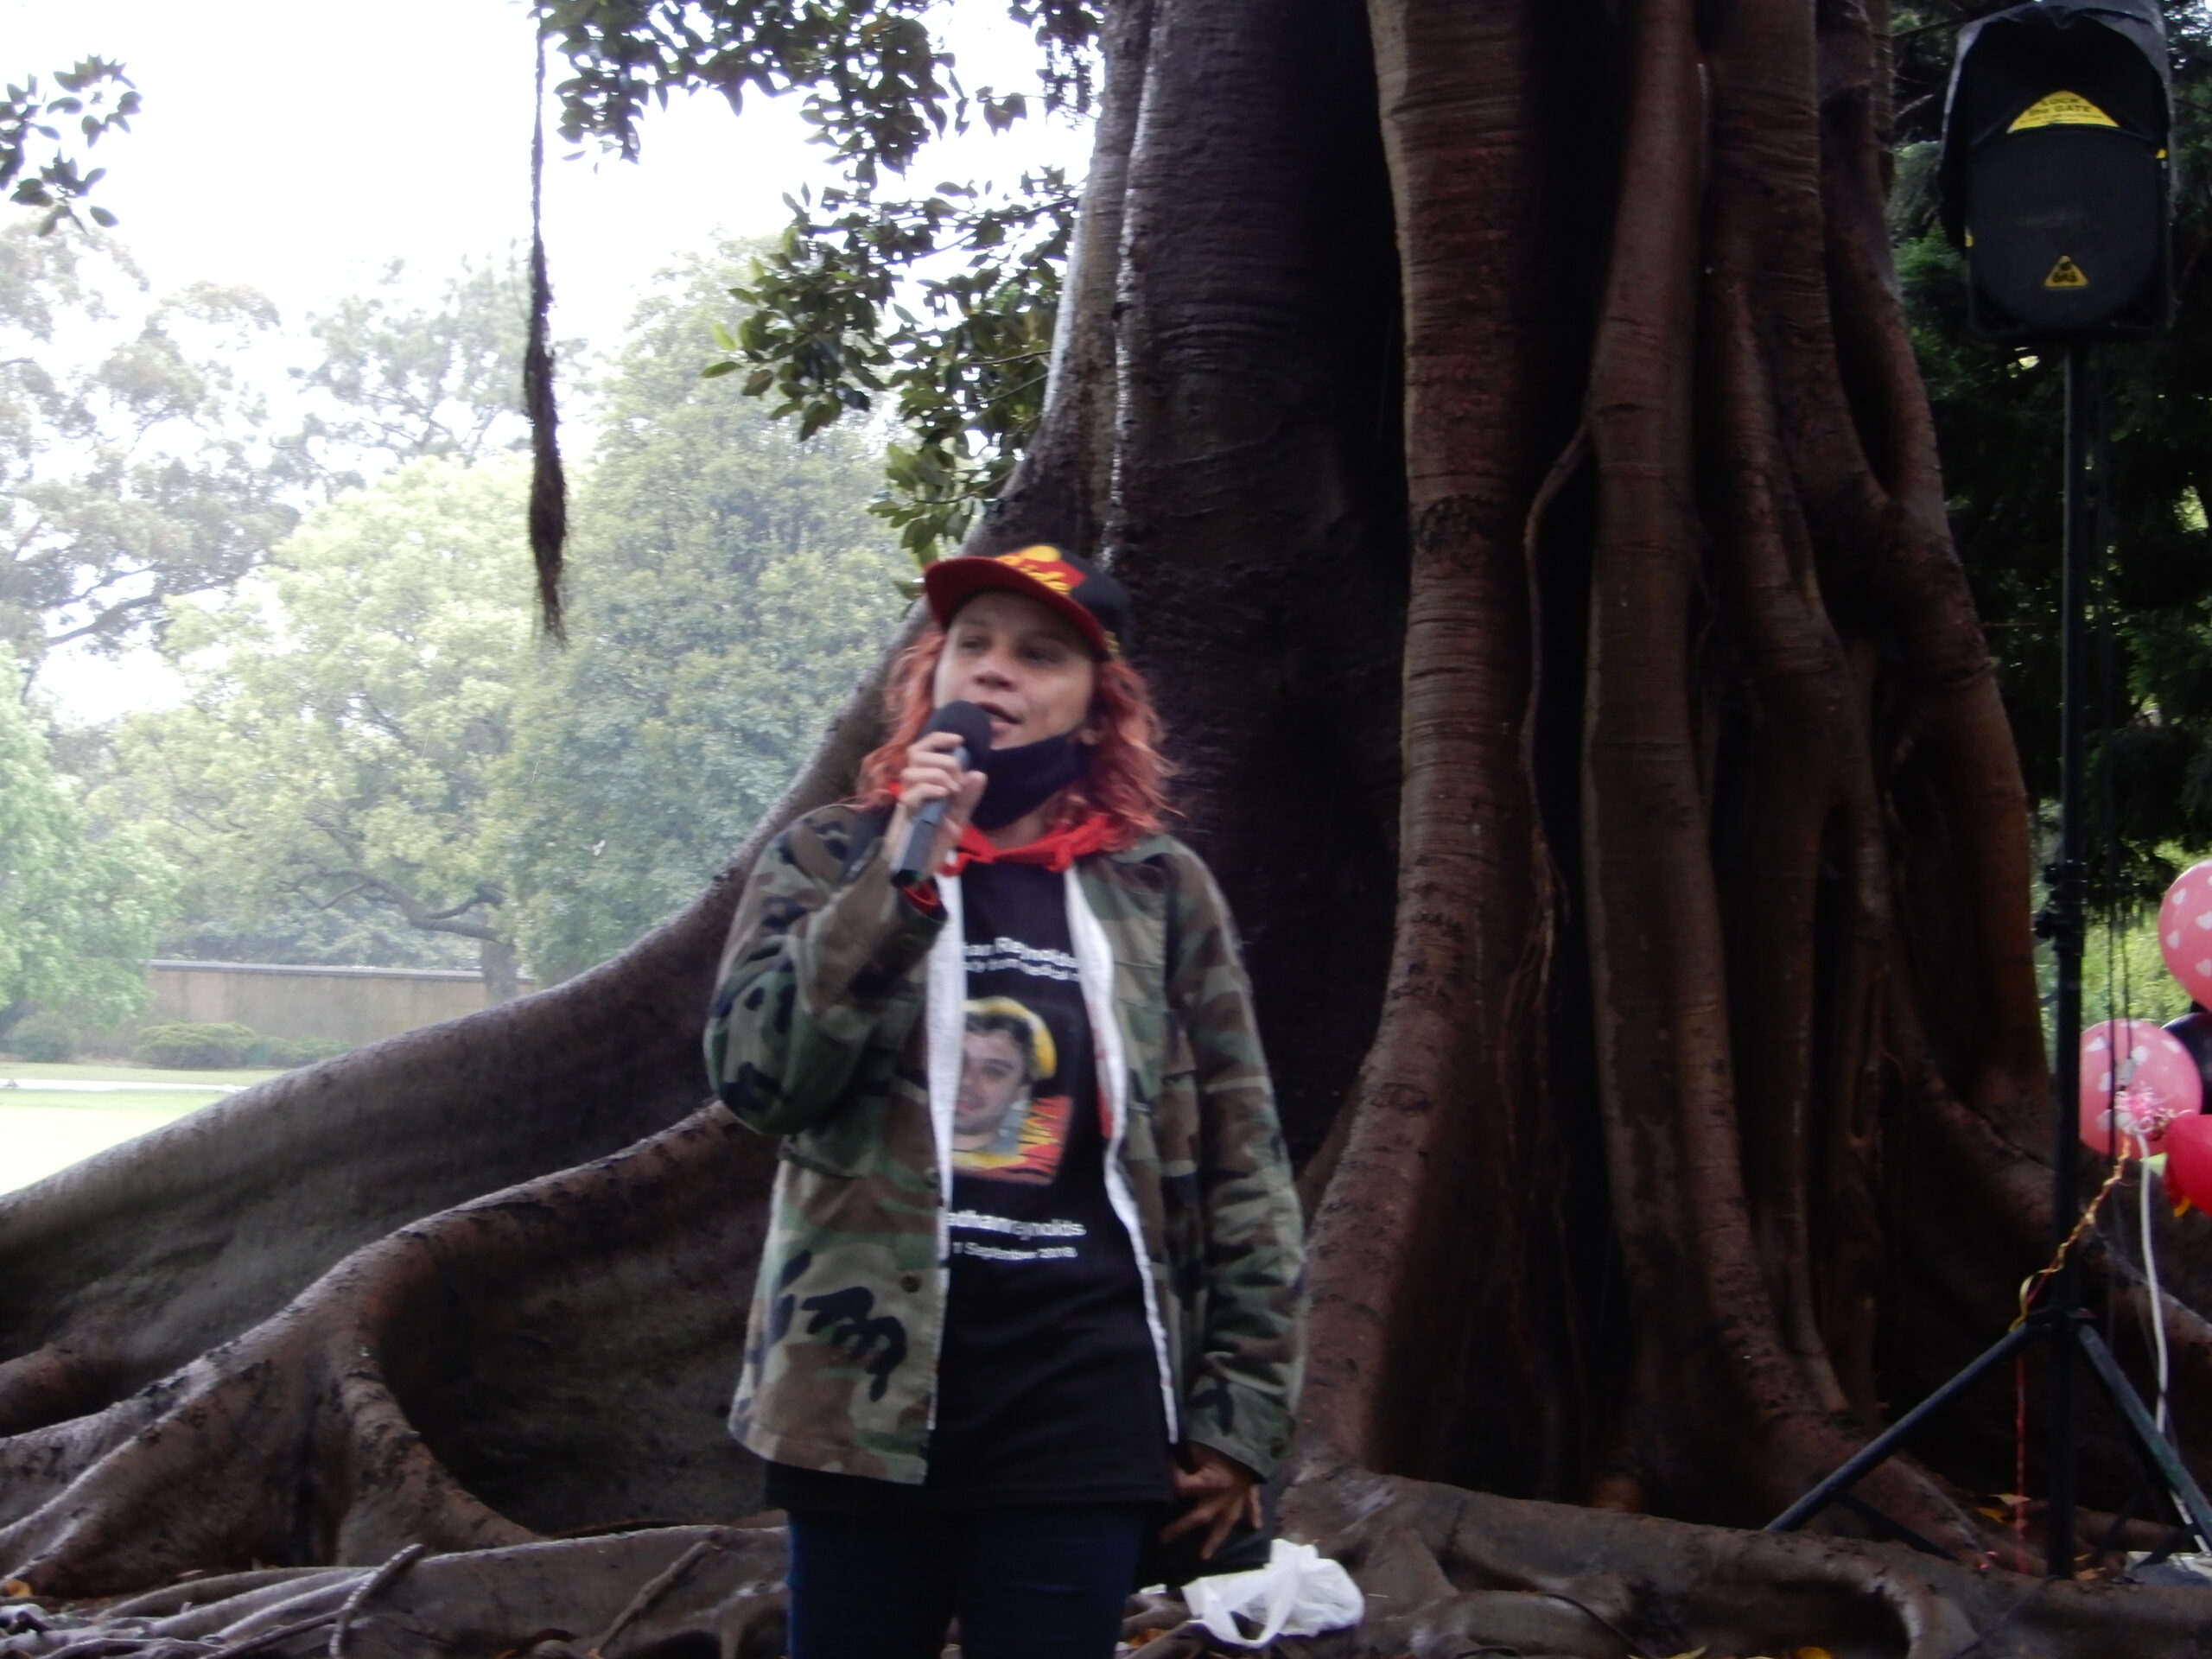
(1048, 1388)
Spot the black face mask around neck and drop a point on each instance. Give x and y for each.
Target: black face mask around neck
(1023, 779)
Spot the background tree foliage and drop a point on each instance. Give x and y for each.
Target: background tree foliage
(829, 331)
(730, 588)
(378, 767)
(941, 302)
(79, 908)
(133, 468)
(402, 378)
(346, 714)
(38, 166)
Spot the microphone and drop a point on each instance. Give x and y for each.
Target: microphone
(975, 728)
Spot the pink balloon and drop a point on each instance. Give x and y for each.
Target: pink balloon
(2136, 1078)
(2185, 931)
(2188, 1160)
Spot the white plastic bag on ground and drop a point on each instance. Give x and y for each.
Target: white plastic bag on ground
(1298, 1593)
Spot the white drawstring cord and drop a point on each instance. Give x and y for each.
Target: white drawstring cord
(2157, 1301)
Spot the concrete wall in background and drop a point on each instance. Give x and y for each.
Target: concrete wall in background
(352, 1005)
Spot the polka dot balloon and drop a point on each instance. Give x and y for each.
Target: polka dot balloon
(2185, 932)
(2136, 1078)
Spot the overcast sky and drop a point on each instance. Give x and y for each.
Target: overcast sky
(299, 146)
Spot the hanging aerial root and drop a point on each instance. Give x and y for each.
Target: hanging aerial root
(1673, 1112)
(1423, 1283)
(1803, 857)
(548, 483)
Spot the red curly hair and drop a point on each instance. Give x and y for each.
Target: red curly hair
(1124, 781)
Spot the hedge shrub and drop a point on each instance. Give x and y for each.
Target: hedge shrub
(185, 1046)
(288, 1052)
(44, 1037)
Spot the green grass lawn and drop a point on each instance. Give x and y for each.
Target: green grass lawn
(45, 1129)
(125, 1071)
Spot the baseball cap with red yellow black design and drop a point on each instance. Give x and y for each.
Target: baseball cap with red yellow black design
(1066, 582)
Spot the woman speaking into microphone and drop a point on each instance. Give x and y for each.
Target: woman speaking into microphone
(1031, 1296)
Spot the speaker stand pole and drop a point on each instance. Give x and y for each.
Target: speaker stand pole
(2065, 924)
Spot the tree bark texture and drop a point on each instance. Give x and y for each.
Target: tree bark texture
(1503, 417)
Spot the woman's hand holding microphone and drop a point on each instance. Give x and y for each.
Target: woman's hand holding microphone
(932, 772)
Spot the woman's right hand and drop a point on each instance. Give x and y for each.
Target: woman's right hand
(932, 775)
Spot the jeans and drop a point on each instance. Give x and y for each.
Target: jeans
(1039, 1582)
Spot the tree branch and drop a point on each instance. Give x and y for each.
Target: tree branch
(419, 915)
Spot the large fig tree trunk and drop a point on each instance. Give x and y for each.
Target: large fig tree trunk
(1501, 413)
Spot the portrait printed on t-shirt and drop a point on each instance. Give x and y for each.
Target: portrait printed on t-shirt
(1003, 1129)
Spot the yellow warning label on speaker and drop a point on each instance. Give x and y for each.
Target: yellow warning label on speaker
(2066, 274)
(2061, 110)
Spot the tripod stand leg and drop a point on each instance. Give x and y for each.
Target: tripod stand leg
(1888, 1525)
(1879, 1449)
(2155, 1446)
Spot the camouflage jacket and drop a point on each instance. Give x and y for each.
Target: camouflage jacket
(821, 1033)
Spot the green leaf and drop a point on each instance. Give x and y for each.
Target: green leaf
(715, 371)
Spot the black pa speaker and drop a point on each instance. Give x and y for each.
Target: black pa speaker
(2056, 176)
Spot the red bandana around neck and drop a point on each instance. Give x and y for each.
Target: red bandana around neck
(1055, 849)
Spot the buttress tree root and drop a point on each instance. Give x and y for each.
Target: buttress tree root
(1503, 418)
(710, 1590)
